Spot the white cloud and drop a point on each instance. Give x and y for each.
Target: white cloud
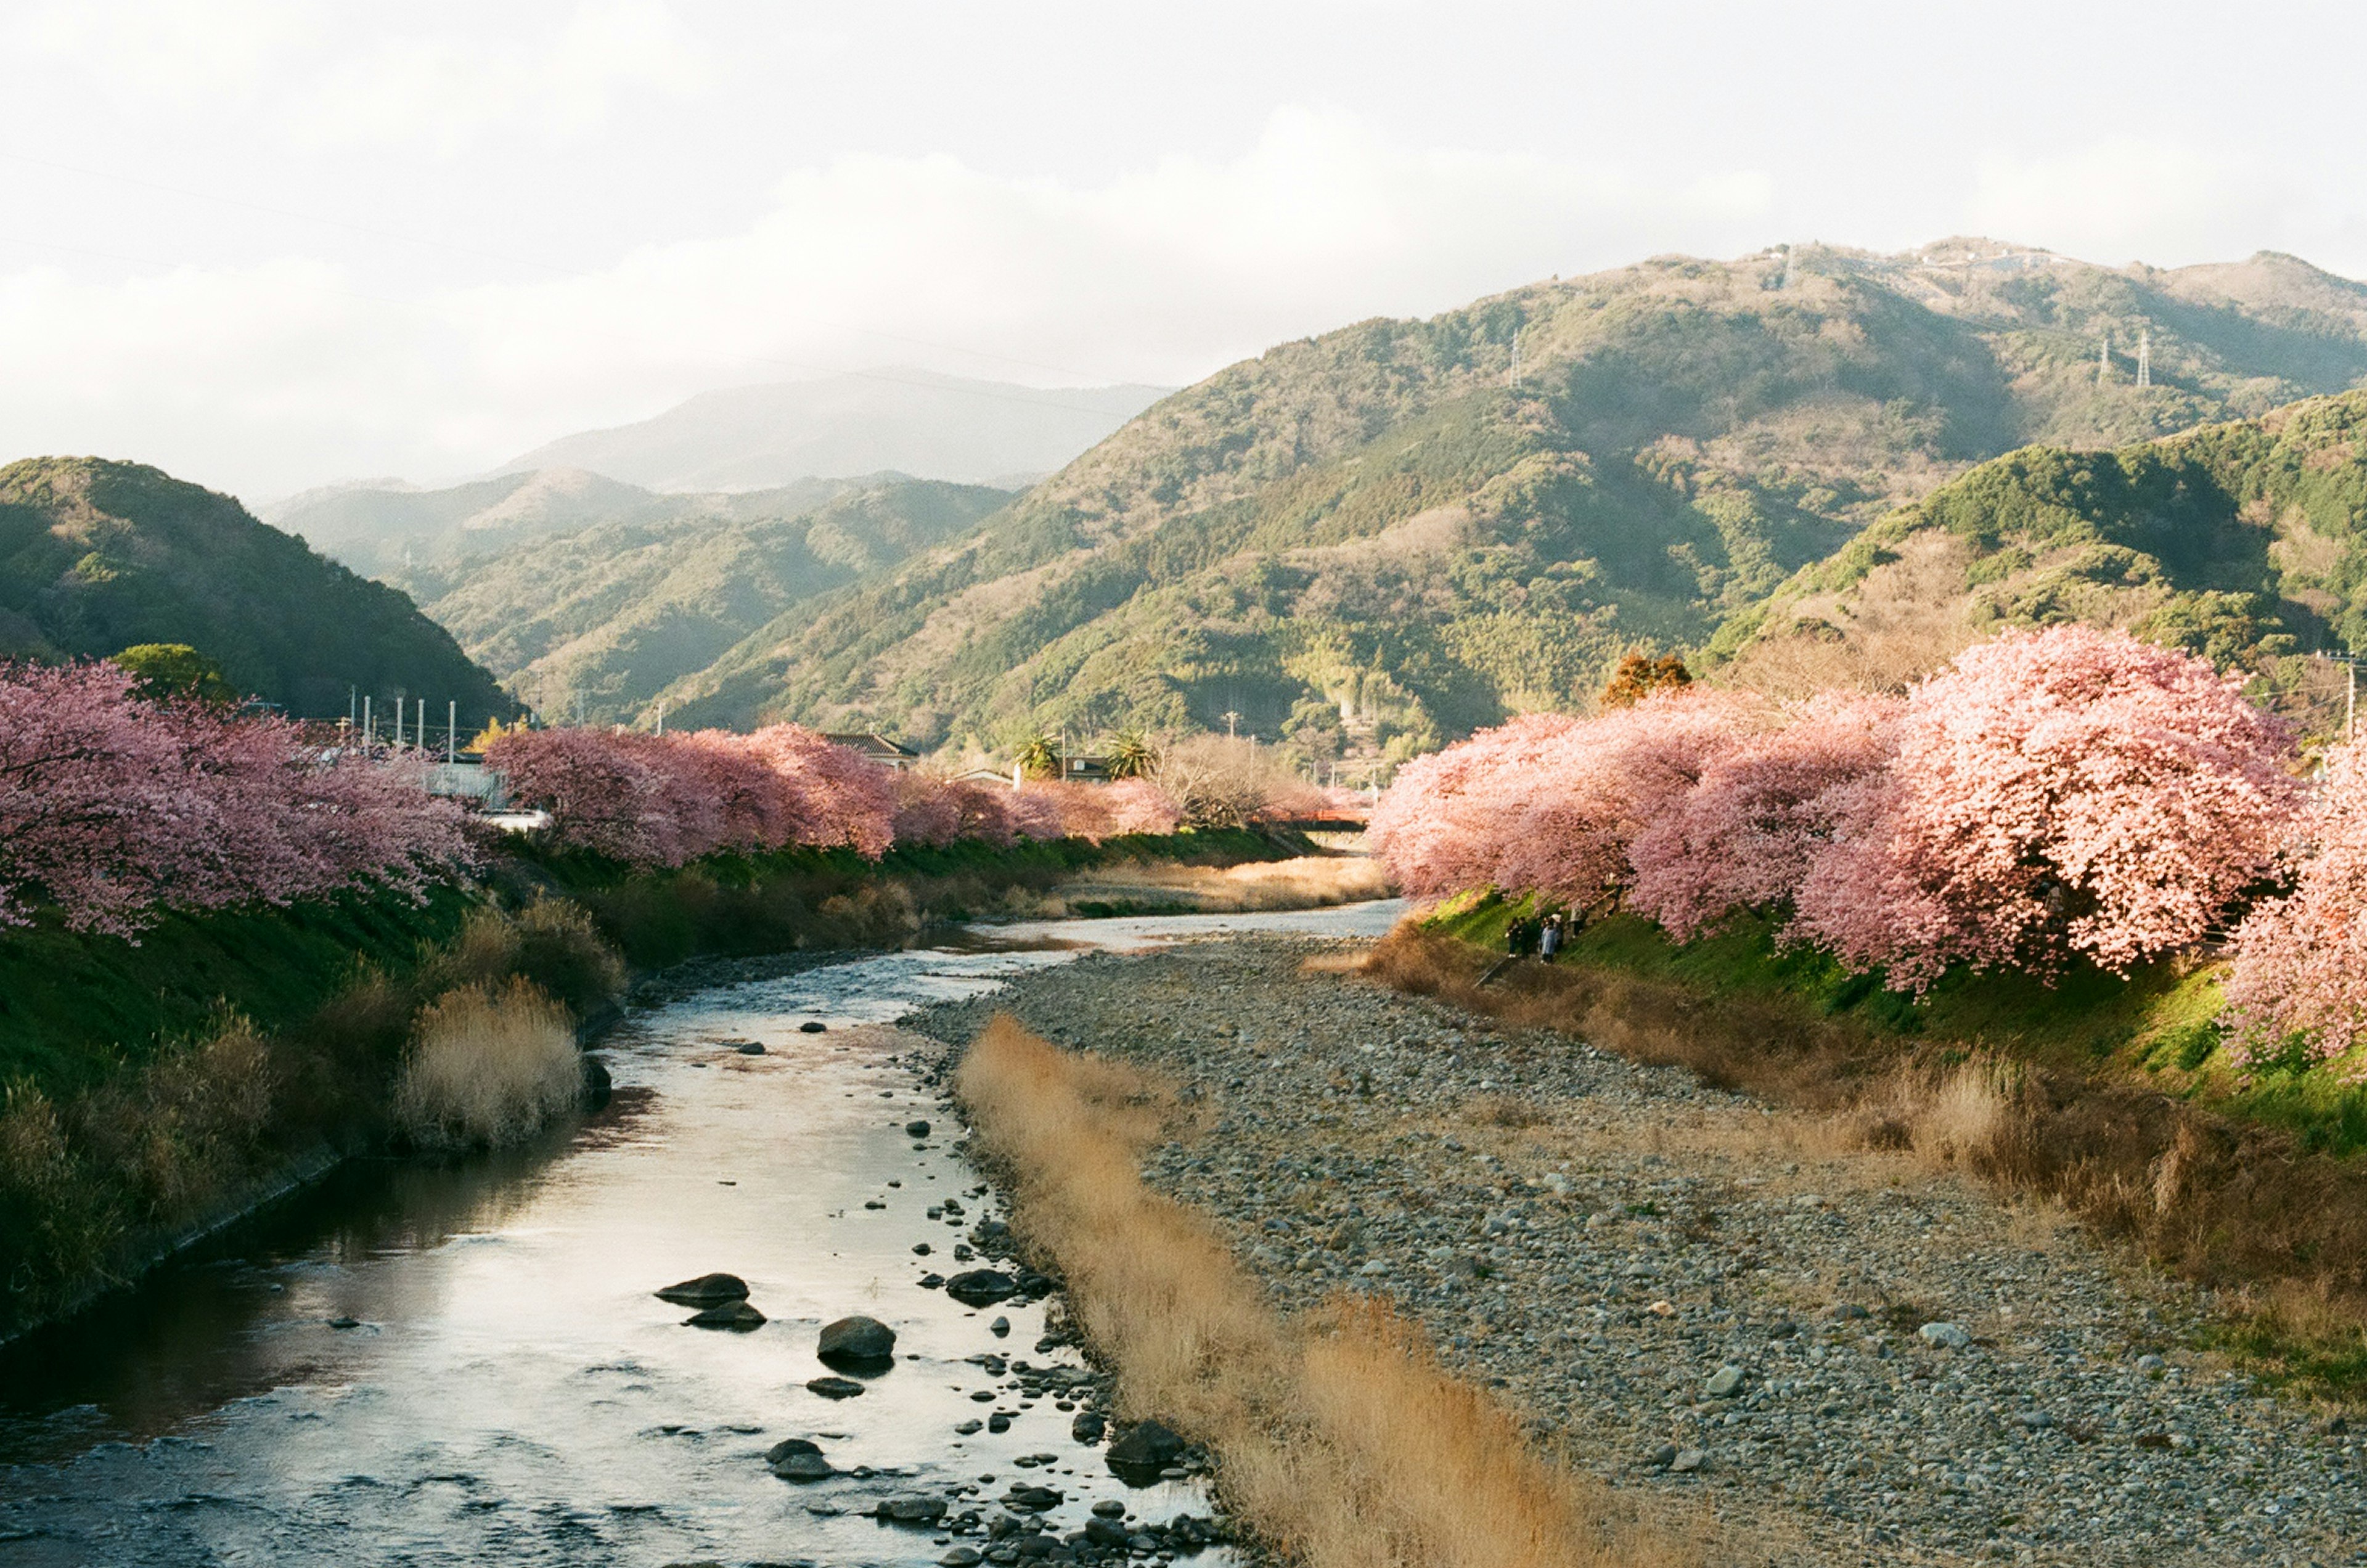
(445, 91)
(279, 377)
(2126, 199)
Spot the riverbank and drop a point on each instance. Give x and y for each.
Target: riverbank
(156, 1092)
(1840, 1353)
(2106, 1094)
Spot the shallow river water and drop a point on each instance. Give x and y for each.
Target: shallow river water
(464, 1363)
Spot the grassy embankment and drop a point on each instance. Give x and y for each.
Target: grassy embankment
(1339, 1440)
(151, 1088)
(2112, 1096)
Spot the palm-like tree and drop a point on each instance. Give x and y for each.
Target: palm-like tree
(1131, 755)
(1039, 756)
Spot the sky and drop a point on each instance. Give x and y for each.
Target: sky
(267, 245)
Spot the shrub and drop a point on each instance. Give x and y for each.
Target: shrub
(489, 1065)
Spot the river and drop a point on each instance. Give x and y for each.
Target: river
(464, 1363)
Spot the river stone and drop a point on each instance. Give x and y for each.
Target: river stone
(812, 1026)
(912, 1510)
(1088, 1427)
(803, 1467)
(858, 1340)
(961, 1557)
(966, 1428)
(1151, 1445)
(1725, 1383)
(707, 1290)
(1949, 1335)
(916, 1129)
(1000, 1328)
(1687, 1461)
(737, 1316)
(834, 1388)
(982, 1287)
(749, 1048)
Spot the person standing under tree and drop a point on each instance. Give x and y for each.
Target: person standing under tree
(1549, 938)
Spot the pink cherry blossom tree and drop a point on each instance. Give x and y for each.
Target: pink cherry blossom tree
(113, 807)
(1763, 810)
(2299, 971)
(2055, 792)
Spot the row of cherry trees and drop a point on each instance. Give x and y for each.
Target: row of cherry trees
(2053, 796)
(664, 800)
(114, 806)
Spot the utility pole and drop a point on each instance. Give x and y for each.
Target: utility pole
(452, 731)
(660, 715)
(2145, 358)
(369, 732)
(1231, 720)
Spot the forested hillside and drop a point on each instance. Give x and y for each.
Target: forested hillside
(598, 621)
(96, 557)
(2245, 542)
(1385, 523)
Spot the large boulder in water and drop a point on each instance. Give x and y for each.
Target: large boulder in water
(799, 1459)
(737, 1316)
(857, 1342)
(1145, 1451)
(707, 1290)
(982, 1287)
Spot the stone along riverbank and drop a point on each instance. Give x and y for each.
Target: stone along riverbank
(1840, 1354)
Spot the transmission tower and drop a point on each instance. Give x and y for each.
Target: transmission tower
(1516, 358)
(2144, 358)
(2105, 360)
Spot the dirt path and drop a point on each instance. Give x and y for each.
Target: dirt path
(1683, 1290)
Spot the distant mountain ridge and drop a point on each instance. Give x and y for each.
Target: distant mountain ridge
(97, 555)
(896, 419)
(1372, 539)
(387, 531)
(595, 622)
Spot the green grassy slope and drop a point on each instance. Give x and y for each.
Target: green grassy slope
(1377, 518)
(96, 556)
(614, 613)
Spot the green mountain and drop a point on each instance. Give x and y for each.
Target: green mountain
(599, 620)
(96, 557)
(2245, 541)
(1369, 540)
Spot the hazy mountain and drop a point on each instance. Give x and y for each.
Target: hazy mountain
(598, 621)
(96, 556)
(387, 527)
(905, 420)
(1380, 518)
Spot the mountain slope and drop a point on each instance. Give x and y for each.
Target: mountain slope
(1375, 522)
(389, 528)
(911, 422)
(96, 556)
(2245, 541)
(597, 621)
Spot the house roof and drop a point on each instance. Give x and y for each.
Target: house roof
(871, 742)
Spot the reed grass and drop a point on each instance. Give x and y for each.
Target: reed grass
(490, 1066)
(1338, 1439)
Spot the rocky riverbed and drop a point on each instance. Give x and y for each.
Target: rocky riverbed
(1830, 1354)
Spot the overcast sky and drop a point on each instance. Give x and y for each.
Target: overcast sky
(267, 245)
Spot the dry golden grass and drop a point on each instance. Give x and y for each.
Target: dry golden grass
(489, 1065)
(1339, 1442)
(1309, 881)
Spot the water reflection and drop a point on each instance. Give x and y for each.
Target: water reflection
(458, 1363)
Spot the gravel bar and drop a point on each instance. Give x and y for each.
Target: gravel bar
(1840, 1353)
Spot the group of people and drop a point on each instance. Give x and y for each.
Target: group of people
(1543, 937)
